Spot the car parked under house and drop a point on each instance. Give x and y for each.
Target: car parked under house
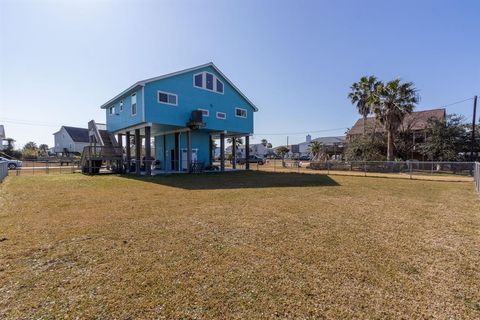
(181, 112)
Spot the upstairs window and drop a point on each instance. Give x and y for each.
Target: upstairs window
(167, 98)
(121, 105)
(219, 86)
(111, 110)
(199, 80)
(221, 115)
(134, 104)
(241, 113)
(208, 81)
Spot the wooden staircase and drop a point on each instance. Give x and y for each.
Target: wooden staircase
(103, 155)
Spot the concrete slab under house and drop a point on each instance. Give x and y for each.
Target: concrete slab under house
(168, 123)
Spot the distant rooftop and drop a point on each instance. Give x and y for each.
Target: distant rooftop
(327, 141)
(417, 120)
(77, 134)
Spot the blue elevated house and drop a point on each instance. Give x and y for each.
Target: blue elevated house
(181, 113)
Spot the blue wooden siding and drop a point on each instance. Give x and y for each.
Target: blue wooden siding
(124, 119)
(189, 98)
(200, 141)
(192, 98)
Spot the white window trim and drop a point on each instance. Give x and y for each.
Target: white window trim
(218, 112)
(167, 93)
(111, 110)
(204, 82)
(241, 116)
(205, 110)
(131, 105)
(121, 106)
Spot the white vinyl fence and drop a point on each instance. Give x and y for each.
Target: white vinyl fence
(3, 170)
(476, 176)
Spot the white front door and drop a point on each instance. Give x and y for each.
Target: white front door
(184, 158)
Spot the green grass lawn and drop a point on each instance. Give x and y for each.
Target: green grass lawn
(243, 245)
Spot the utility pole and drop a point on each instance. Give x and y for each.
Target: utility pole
(472, 147)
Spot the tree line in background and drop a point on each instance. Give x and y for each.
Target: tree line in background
(390, 102)
(448, 140)
(29, 151)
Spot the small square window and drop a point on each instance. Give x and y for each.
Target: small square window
(167, 98)
(221, 115)
(163, 97)
(241, 113)
(205, 112)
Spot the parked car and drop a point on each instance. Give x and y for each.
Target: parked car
(12, 164)
(251, 159)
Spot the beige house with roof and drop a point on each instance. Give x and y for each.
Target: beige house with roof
(416, 121)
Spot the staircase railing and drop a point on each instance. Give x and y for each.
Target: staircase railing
(94, 132)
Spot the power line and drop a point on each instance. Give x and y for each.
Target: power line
(297, 133)
(30, 123)
(453, 103)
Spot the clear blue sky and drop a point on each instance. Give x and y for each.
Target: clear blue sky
(60, 60)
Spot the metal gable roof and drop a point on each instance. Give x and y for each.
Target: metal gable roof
(143, 82)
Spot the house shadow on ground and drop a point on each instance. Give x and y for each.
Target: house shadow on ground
(238, 180)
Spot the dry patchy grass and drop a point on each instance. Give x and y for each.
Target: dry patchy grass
(238, 245)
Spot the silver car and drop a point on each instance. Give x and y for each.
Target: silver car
(12, 164)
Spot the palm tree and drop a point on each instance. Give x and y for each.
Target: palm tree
(395, 101)
(364, 96)
(238, 141)
(282, 151)
(43, 149)
(315, 149)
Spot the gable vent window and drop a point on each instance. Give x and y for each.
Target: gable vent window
(241, 113)
(208, 81)
(134, 104)
(167, 98)
(221, 115)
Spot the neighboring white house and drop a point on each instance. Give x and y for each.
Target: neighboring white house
(70, 139)
(334, 145)
(258, 149)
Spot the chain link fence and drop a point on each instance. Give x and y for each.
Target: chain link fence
(3, 170)
(410, 169)
(50, 166)
(476, 176)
